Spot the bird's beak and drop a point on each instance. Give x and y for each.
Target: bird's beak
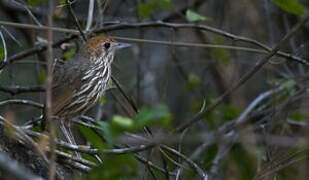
(122, 45)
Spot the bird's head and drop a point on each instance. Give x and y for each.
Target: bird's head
(103, 46)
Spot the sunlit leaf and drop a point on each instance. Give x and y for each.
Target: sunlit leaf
(158, 115)
(290, 6)
(192, 16)
(119, 124)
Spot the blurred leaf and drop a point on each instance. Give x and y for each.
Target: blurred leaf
(157, 115)
(69, 54)
(102, 100)
(192, 16)
(209, 156)
(36, 2)
(42, 76)
(193, 81)
(297, 116)
(106, 131)
(148, 116)
(230, 112)
(119, 124)
(221, 114)
(110, 85)
(290, 6)
(1, 54)
(244, 162)
(92, 137)
(116, 167)
(222, 55)
(146, 9)
(289, 86)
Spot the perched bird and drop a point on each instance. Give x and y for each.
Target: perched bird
(79, 83)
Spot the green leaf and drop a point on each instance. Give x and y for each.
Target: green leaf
(68, 55)
(116, 167)
(119, 124)
(106, 131)
(290, 6)
(146, 9)
(243, 160)
(92, 137)
(230, 112)
(147, 116)
(192, 16)
(157, 115)
(297, 116)
(289, 87)
(289, 84)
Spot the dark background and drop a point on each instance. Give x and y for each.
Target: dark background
(270, 144)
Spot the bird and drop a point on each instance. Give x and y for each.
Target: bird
(79, 83)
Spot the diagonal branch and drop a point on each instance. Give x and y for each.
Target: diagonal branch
(245, 77)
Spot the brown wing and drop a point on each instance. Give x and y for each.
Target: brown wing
(67, 79)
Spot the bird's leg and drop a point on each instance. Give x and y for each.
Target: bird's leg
(66, 130)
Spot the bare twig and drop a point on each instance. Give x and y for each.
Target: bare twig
(117, 26)
(22, 102)
(90, 15)
(29, 12)
(13, 90)
(246, 76)
(4, 48)
(194, 166)
(25, 138)
(71, 12)
(49, 81)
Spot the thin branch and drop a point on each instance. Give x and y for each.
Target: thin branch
(118, 26)
(25, 138)
(11, 35)
(4, 48)
(22, 102)
(245, 77)
(194, 166)
(71, 12)
(49, 80)
(90, 15)
(150, 163)
(29, 12)
(130, 100)
(14, 90)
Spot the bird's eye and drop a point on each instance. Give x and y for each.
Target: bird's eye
(107, 45)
